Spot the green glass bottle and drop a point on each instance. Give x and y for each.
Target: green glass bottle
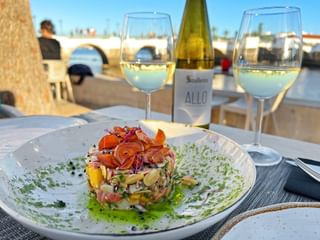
(192, 86)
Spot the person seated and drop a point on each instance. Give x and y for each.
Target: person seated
(50, 48)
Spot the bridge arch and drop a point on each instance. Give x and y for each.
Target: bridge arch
(103, 55)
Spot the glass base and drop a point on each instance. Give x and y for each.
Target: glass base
(262, 156)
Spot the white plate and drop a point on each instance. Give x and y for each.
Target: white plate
(287, 221)
(40, 121)
(38, 174)
(16, 131)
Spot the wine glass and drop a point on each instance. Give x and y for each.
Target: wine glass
(147, 52)
(267, 59)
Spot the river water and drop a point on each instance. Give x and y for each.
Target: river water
(89, 57)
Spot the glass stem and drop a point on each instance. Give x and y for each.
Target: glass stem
(259, 118)
(148, 106)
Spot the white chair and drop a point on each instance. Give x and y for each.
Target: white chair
(248, 107)
(58, 77)
(217, 101)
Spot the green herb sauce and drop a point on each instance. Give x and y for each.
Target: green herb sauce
(142, 219)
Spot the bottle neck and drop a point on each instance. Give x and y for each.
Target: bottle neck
(194, 40)
(196, 5)
(196, 12)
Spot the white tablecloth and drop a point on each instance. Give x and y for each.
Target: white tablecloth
(16, 131)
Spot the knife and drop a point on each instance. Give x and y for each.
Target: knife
(314, 164)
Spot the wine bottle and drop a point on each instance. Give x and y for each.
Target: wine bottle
(192, 86)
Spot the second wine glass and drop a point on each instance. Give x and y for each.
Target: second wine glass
(147, 52)
(267, 59)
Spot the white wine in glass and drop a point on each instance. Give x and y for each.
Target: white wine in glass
(147, 52)
(266, 61)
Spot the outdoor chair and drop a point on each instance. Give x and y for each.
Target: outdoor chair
(217, 101)
(247, 106)
(59, 79)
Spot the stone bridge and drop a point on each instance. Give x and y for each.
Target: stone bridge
(108, 48)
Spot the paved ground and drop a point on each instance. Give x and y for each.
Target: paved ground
(64, 108)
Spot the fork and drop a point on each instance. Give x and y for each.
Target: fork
(315, 175)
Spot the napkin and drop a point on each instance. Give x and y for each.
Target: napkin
(301, 183)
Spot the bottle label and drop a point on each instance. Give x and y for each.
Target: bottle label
(192, 96)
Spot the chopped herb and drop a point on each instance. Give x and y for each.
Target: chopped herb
(59, 204)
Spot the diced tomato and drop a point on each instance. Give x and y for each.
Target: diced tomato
(126, 150)
(147, 146)
(108, 142)
(119, 131)
(148, 154)
(108, 160)
(160, 137)
(156, 154)
(131, 138)
(143, 137)
(127, 164)
(113, 197)
(158, 157)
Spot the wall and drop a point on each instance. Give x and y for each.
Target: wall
(107, 91)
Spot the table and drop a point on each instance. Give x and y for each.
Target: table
(267, 190)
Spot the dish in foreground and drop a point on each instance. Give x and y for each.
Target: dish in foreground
(44, 186)
(128, 169)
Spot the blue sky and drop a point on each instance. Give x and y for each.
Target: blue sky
(103, 14)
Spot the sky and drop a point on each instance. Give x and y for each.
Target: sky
(107, 15)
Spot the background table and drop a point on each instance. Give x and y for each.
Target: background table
(267, 190)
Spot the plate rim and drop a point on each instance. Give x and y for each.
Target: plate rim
(45, 116)
(259, 211)
(34, 225)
